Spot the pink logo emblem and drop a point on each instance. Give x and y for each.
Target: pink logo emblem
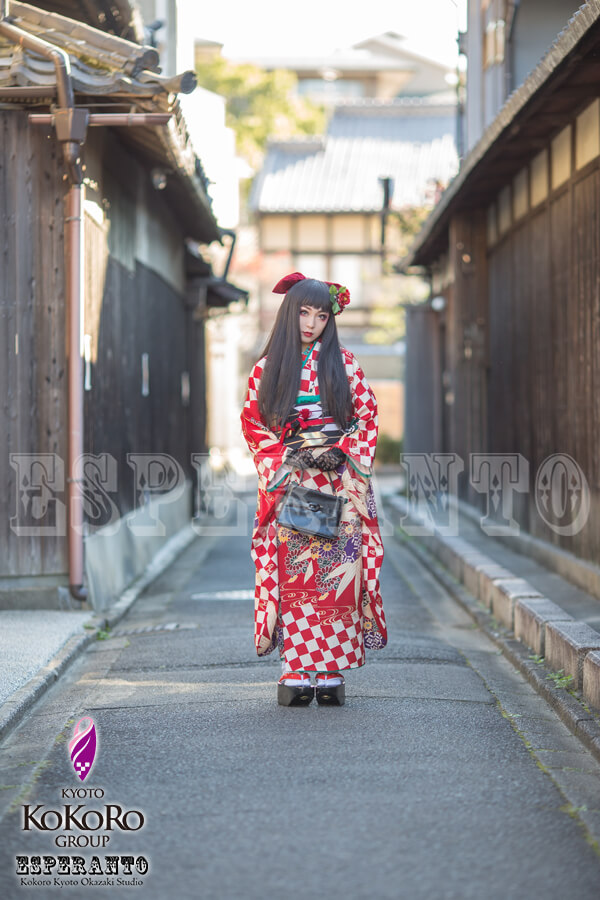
(82, 747)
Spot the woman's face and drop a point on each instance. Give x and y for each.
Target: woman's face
(312, 324)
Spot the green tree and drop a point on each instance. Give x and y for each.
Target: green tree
(409, 221)
(260, 104)
(387, 323)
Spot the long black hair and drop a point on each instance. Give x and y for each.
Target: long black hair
(280, 379)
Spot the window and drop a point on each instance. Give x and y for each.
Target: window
(494, 25)
(489, 52)
(500, 32)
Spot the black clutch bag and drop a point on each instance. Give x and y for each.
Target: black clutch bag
(311, 512)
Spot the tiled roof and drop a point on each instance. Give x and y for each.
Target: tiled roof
(411, 119)
(100, 63)
(110, 67)
(411, 143)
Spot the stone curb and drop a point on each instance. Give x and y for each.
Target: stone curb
(532, 614)
(567, 645)
(503, 593)
(521, 604)
(13, 710)
(591, 677)
(19, 703)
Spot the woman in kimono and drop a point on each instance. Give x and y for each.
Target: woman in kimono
(310, 416)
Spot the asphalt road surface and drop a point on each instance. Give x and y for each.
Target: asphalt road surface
(443, 776)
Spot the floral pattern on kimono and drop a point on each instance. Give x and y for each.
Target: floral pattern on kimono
(323, 596)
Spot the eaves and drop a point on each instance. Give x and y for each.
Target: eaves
(566, 78)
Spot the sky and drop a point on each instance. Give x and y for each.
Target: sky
(313, 27)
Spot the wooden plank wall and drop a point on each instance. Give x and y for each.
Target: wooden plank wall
(517, 309)
(423, 382)
(542, 400)
(583, 368)
(544, 378)
(556, 222)
(465, 334)
(141, 313)
(129, 310)
(33, 416)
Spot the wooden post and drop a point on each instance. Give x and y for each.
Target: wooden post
(467, 336)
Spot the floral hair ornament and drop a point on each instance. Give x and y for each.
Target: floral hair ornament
(339, 295)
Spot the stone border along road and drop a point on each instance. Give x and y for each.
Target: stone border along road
(538, 637)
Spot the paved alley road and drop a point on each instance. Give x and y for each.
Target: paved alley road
(443, 776)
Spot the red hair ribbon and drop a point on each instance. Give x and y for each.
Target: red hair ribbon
(340, 296)
(283, 286)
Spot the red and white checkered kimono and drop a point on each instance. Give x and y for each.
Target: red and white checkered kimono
(318, 600)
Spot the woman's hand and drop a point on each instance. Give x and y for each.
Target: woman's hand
(330, 459)
(302, 459)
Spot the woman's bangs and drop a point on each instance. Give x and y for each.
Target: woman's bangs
(323, 304)
(311, 292)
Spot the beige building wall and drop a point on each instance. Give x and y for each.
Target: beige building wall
(349, 233)
(275, 233)
(321, 233)
(335, 247)
(390, 407)
(311, 233)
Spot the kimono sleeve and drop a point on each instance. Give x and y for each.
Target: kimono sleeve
(267, 451)
(360, 445)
